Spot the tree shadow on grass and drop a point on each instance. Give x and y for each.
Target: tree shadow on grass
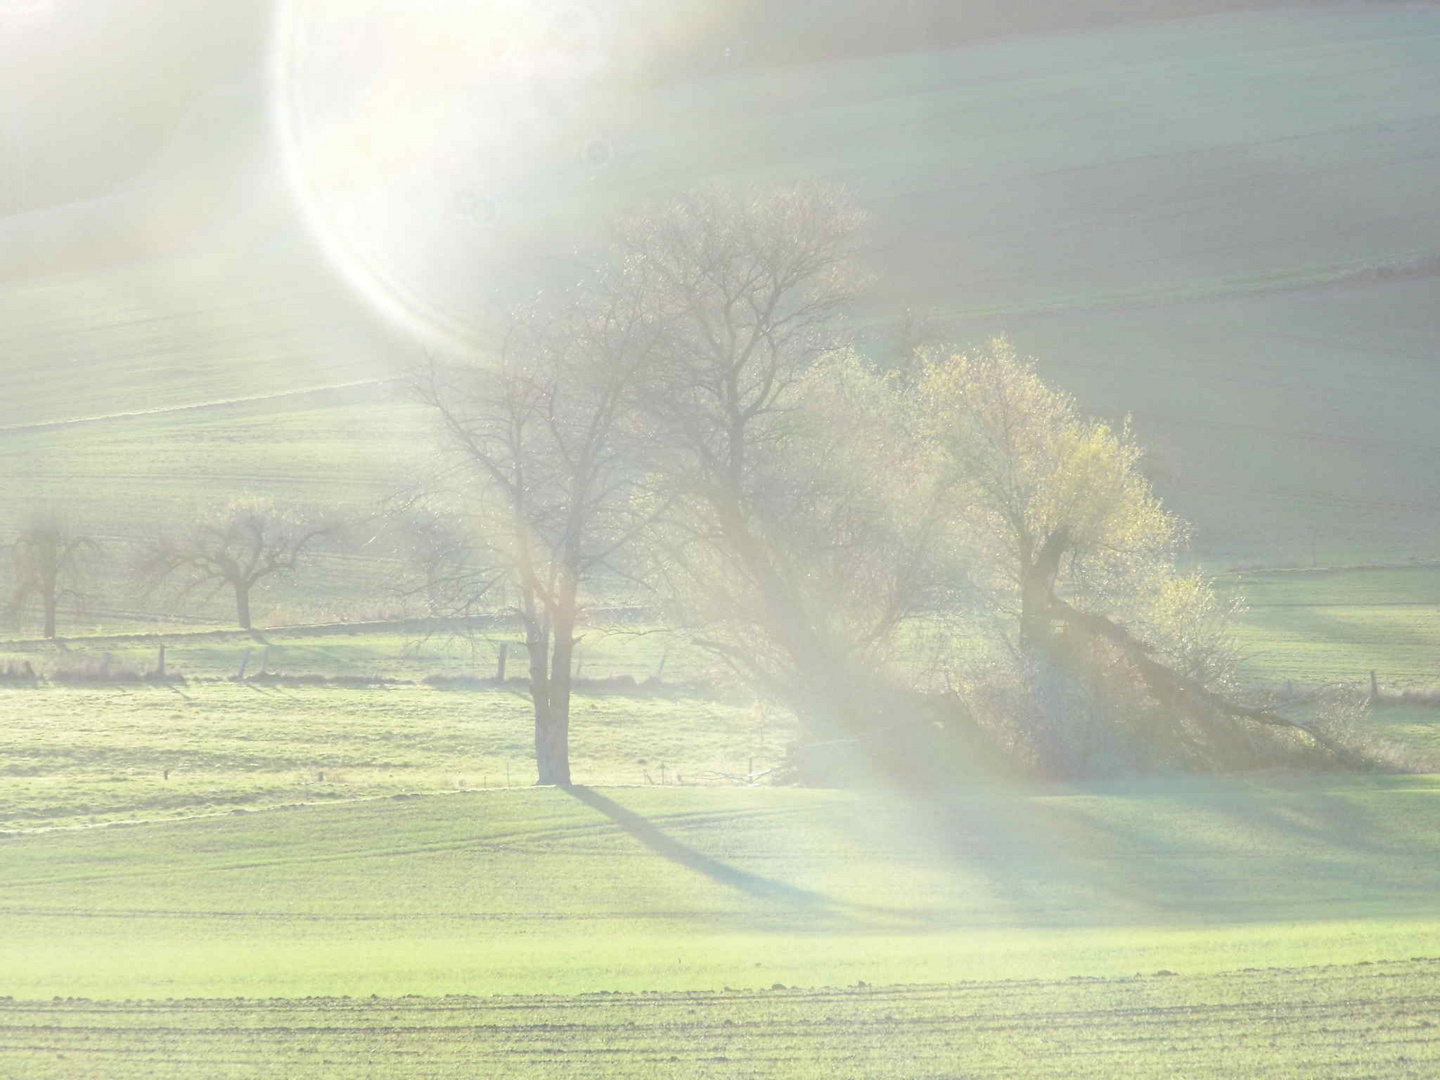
(1188, 852)
(1184, 853)
(666, 846)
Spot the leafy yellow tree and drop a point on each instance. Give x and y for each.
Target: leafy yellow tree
(1051, 502)
(1125, 655)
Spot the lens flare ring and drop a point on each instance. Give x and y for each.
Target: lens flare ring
(418, 140)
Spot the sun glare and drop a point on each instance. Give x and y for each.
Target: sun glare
(411, 134)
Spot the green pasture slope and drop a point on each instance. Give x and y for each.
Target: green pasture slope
(256, 880)
(1277, 928)
(82, 755)
(1339, 625)
(1224, 226)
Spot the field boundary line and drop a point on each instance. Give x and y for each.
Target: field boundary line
(511, 840)
(1338, 568)
(42, 425)
(418, 624)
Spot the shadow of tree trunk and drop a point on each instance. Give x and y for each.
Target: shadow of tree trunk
(668, 847)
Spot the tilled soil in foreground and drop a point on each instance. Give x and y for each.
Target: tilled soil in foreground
(1365, 1020)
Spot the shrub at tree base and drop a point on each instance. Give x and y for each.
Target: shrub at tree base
(80, 672)
(17, 671)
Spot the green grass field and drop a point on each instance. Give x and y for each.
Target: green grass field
(1416, 727)
(1224, 227)
(1339, 625)
(994, 907)
(335, 867)
(84, 753)
(77, 755)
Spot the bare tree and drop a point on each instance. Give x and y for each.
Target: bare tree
(751, 288)
(542, 431)
(447, 565)
(49, 560)
(235, 546)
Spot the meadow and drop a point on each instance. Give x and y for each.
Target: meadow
(338, 712)
(358, 874)
(1224, 228)
(1339, 625)
(82, 755)
(342, 868)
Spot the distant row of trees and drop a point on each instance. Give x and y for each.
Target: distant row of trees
(233, 547)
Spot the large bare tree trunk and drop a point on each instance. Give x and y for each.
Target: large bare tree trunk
(242, 605)
(552, 747)
(550, 694)
(49, 600)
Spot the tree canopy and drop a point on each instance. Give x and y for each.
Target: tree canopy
(873, 544)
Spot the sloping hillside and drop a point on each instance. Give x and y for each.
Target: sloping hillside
(1223, 226)
(691, 888)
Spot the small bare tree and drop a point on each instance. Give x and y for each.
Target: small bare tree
(446, 563)
(235, 546)
(50, 560)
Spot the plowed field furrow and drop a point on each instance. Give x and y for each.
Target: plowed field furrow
(1339, 1021)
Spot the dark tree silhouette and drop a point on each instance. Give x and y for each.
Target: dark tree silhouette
(236, 547)
(49, 562)
(753, 287)
(540, 430)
